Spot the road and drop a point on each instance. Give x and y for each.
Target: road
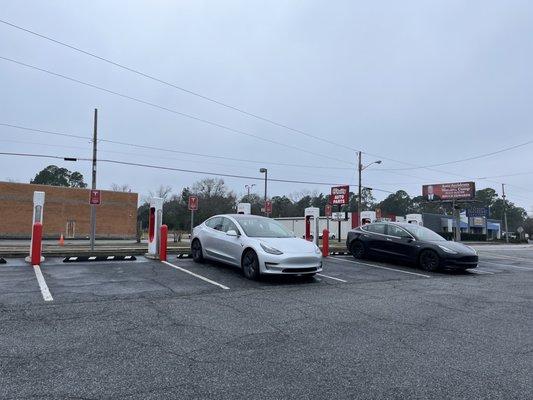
(148, 330)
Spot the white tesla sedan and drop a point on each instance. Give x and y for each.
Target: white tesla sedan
(256, 244)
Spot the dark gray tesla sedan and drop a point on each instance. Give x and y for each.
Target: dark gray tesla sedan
(410, 243)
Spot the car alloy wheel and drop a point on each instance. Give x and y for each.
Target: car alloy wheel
(429, 260)
(196, 249)
(357, 248)
(250, 265)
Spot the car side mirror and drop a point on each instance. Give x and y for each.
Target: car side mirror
(232, 232)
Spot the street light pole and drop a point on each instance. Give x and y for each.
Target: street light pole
(360, 169)
(265, 171)
(505, 214)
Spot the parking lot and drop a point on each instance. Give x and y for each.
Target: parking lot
(147, 329)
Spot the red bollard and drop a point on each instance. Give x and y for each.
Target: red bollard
(325, 243)
(163, 242)
(37, 236)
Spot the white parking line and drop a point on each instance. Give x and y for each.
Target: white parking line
(42, 284)
(381, 267)
(196, 275)
(332, 277)
(504, 265)
(480, 271)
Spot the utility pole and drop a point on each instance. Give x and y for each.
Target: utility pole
(505, 214)
(265, 171)
(360, 170)
(248, 187)
(93, 184)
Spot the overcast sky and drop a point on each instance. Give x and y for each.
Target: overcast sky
(424, 82)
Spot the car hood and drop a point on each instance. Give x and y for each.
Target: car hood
(455, 246)
(289, 245)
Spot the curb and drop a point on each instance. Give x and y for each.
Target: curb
(339, 253)
(184, 255)
(98, 258)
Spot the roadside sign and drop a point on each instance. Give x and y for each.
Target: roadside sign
(449, 191)
(340, 195)
(193, 203)
(520, 229)
(478, 212)
(339, 216)
(268, 206)
(95, 198)
(328, 209)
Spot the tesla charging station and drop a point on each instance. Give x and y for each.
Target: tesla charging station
(155, 219)
(38, 207)
(311, 224)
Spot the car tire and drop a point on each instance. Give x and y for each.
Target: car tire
(197, 252)
(250, 265)
(429, 260)
(357, 248)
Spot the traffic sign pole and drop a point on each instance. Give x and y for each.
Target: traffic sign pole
(192, 221)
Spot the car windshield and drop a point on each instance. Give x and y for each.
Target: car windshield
(422, 233)
(263, 227)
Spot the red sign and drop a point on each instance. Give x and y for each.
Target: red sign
(193, 203)
(449, 191)
(95, 198)
(340, 195)
(268, 206)
(328, 210)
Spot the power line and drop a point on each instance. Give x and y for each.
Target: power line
(464, 159)
(160, 167)
(154, 105)
(159, 80)
(173, 150)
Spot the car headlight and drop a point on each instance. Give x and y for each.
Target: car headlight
(447, 249)
(317, 250)
(270, 250)
(473, 250)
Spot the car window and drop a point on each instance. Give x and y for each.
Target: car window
(396, 231)
(228, 225)
(263, 227)
(375, 228)
(214, 223)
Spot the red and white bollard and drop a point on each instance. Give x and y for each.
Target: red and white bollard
(163, 242)
(37, 237)
(325, 243)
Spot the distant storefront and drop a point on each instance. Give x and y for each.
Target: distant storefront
(66, 212)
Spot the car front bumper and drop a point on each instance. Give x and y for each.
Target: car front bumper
(286, 264)
(459, 261)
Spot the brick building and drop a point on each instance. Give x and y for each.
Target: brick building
(67, 212)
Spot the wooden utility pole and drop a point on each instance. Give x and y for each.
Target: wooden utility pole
(505, 214)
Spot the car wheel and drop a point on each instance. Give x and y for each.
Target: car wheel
(196, 250)
(250, 265)
(429, 260)
(357, 248)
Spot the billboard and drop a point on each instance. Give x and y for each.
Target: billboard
(449, 191)
(340, 195)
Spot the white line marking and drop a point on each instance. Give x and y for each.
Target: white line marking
(42, 284)
(331, 277)
(196, 275)
(505, 265)
(110, 257)
(127, 257)
(382, 267)
(73, 258)
(92, 258)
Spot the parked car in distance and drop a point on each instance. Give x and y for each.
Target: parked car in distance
(256, 244)
(411, 243)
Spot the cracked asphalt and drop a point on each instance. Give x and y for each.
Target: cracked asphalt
(145, 330)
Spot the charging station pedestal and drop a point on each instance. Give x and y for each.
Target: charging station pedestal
(155, 219)
(311, 224)
(38, 208)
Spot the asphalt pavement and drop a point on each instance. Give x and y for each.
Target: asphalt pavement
(149, 330)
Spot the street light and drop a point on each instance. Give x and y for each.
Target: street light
(265, 171)
(248, 188)
(361, 168)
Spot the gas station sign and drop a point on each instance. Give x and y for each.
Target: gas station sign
(340, 195)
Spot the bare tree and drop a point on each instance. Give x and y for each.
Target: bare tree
(115, 187)
(162, 192)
